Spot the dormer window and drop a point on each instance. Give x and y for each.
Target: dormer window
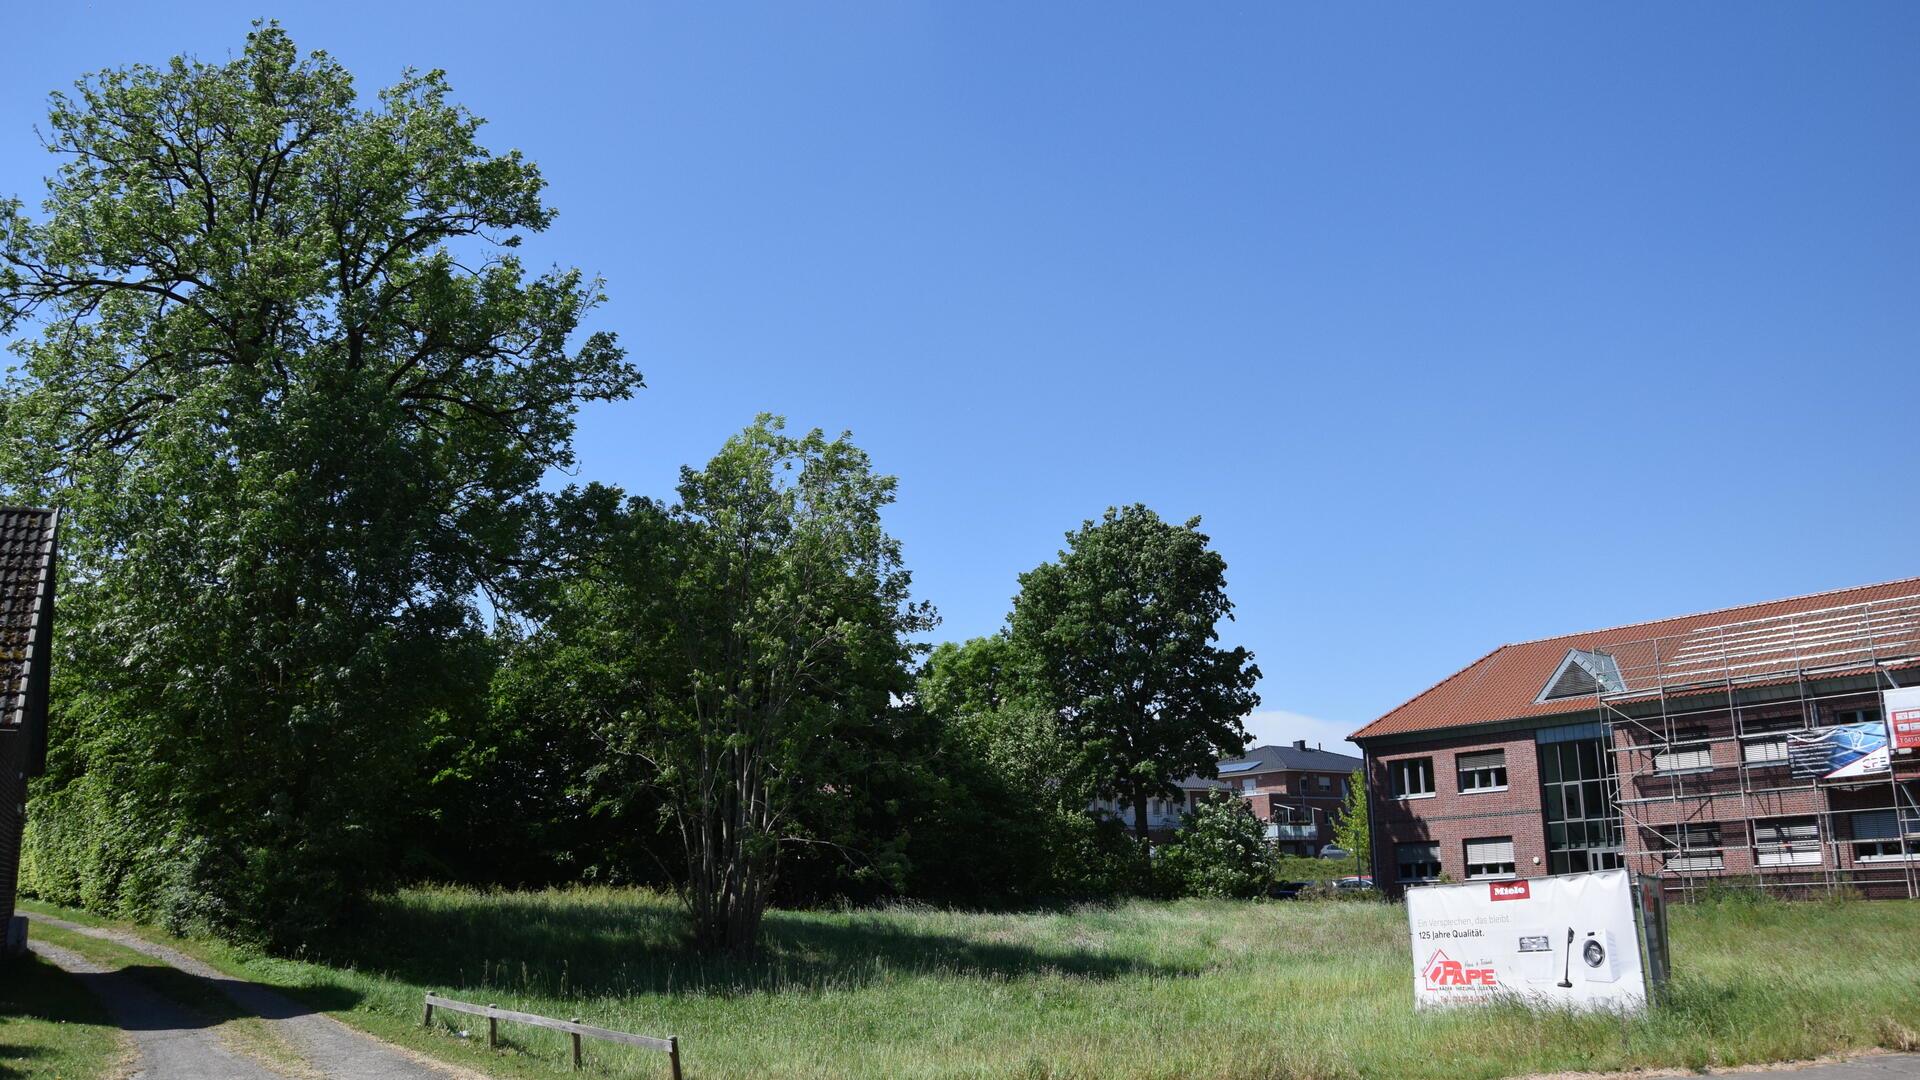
(1581, 674)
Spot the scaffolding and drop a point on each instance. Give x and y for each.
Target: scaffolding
(1700, 723)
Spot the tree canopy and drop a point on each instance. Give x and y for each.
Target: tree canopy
(1122, 632)
(740, 655)
(295, 392)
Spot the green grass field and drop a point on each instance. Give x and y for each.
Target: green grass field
(1186, 989)
(50, 1026)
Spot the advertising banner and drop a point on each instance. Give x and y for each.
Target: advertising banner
(1836, 753)
(1568, 941)
(1902, 710)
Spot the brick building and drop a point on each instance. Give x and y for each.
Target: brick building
(1294, 789)
(26, 630)
(1745, 743)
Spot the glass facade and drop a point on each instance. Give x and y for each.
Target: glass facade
(1580, 796)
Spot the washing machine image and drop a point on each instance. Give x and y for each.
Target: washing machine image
(1536, 958)
(1596, 955)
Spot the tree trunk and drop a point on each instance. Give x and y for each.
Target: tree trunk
(1140, 817)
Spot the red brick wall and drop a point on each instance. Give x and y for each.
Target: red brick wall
(1719, 795)
(1451, 817)
(1273, 791)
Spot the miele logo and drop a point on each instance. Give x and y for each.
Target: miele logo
(1508, 890)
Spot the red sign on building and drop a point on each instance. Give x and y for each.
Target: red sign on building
(1903, 718)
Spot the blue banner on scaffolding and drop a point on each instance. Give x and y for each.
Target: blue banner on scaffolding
(1837, 753)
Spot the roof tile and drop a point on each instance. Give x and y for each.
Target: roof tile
(1741, 642)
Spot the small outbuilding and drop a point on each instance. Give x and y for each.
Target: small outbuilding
(27, 552)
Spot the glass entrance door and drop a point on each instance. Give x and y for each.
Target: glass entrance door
(1580, 795)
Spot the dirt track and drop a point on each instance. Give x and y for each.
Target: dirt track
(176, 1044)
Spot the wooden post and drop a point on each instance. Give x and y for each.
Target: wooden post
(673, 1054)
(493, 1030)
(576, 1047)
(427, 1020)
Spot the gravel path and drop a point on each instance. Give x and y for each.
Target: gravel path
(332, 1049)
(1880, 1067)
(174, 1044)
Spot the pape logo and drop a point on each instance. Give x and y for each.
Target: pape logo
(1508, 890)
(1443, 972)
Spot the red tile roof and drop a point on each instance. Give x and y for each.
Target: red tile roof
(1858, 628)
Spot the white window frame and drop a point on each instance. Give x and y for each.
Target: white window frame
(1902, 823)
(1489, 858)
(1788, 852)
(1685, 855)
(1691, 754)
(1771, 747)
(1461, 771)
(1406, 767)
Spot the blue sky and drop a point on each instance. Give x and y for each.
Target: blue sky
(1457, 326)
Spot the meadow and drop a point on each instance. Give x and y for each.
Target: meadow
(1139, 989)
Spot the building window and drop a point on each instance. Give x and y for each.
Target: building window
(1418, 862)
(1763, 740)
(1855, 716)
(1483, 771)
(1787, 842)
(1877, 835)
(1412, 777)
(1687, 848)
(1764, 749)
(1246, 784)
(1490, 857)
(1324, 783)
(1688, 752)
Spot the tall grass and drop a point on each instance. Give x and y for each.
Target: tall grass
(1148, 990)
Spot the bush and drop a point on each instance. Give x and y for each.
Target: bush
(1304, 868)
(1222, 851)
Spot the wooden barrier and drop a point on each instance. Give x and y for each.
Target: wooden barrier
(669, 1046)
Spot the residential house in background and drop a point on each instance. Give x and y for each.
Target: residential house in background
(26, 638)
(1750, 742)
(1294, 789)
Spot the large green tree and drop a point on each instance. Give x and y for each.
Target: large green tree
(741, 655)
(1007, 818)
(295, 390)
(1123, 630)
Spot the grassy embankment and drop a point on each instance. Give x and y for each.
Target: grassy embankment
(1188, 989)
(51, 1028)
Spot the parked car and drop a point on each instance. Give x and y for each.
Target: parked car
(1286, 890)
(1335, 851)
(1354, 883)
